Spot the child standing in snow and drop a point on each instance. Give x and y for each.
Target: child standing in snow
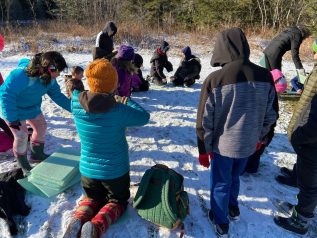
(101, 120)
(21, 99)
(138, 82)
(159, 61)
(125, 69)
(104, 42)
(74, 81)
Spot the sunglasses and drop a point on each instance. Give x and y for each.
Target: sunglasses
(52, 69)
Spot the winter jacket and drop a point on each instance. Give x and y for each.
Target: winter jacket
(72, 84)
(159, 61)
(124, 78)
(104, 42)
(236, 102)
(303, 124)
(101, 123)
(21, 95)
(189, 68)
(1, 79)
(289, 39)
(138, 83)
(12, 198)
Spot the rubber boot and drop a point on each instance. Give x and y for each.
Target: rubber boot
(37, 152)
(24, 164)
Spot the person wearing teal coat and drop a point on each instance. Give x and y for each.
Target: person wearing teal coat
(21, 99)
(101, 120)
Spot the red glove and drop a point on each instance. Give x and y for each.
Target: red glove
(204, 159)
(258, 145)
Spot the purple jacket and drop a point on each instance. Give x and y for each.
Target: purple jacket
(125, 80)
(135, 81)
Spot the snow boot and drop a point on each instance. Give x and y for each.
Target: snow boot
(296, 223)
(286, 180)
(86, 210)
(221, 230)
(107, 215)
(24, 164)
(234, 213)
(37, 152)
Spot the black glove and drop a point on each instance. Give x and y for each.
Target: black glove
(15, 125)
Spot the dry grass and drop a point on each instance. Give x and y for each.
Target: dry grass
(134, 33)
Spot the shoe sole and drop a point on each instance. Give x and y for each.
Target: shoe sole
(88, 231)
(73, 229)
(215, 229)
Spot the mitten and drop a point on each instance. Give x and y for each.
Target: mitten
(301, 72)
(15, 125)
(204, 159)
(120, 99)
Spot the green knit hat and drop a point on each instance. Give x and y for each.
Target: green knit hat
(314, 46)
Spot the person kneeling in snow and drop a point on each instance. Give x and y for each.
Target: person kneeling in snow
(159, 61)
(188, 71)
(101, 120)
(138, 83)
(21, 99)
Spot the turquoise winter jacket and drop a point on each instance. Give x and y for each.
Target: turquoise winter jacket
(104, 148)
(21, 95)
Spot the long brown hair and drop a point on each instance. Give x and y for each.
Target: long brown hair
(41, 62)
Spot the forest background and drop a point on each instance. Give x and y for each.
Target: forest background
(139, 18)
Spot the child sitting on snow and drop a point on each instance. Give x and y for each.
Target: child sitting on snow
(138, 82)
(188, 71)
(101, 120)
(74, 81)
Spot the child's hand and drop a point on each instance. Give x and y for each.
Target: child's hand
(120, 99)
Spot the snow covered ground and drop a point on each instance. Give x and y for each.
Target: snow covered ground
(170, 139)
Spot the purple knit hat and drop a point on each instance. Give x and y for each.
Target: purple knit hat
(125, 52)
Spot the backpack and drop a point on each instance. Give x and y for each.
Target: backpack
(161, 198)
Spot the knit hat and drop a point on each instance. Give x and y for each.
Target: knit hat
(314, 46)
(125, 52)
(101, 76)
(1, 43)
(279, 80)
(164, 46)
(187, 52)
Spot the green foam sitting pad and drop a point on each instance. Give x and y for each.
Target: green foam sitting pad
(54, 175)
(59, 168)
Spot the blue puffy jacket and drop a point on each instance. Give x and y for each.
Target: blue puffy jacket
(104, 148)
(21, 95)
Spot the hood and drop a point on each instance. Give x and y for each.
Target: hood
(24, 62)
(96, 102)
(187, 52)
(110, 29)
(164, 47)
(230, 45)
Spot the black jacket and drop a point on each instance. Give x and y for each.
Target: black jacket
(12, 198)
(289, 39)
(189, 69)
(158, 62)
(104, 42)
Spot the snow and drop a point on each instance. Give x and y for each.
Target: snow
(169, 138)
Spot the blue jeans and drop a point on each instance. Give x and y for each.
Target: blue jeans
(225, 185)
